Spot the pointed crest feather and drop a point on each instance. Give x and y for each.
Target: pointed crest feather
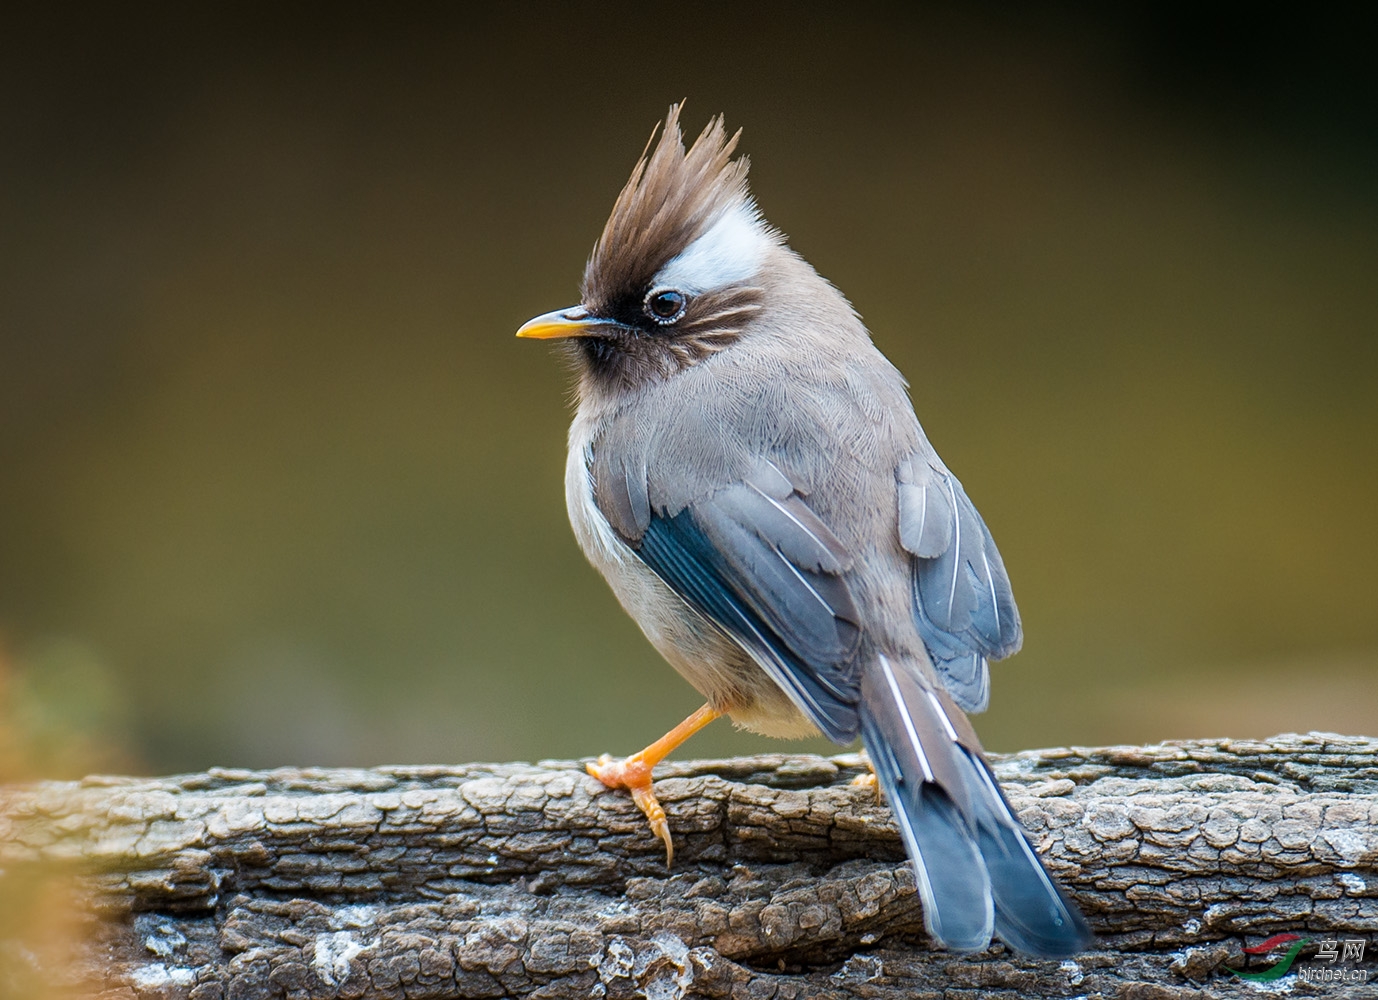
(671, 198)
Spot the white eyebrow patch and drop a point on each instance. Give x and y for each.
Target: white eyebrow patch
(729, 252)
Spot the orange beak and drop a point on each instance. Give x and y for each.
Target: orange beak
(572, 322)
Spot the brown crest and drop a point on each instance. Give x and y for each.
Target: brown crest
(672, 197)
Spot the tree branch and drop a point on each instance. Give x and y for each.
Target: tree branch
(518, 880)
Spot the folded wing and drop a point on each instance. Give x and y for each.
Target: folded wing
(754, 559)
(962, 598)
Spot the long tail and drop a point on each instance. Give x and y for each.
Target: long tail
(976, 871)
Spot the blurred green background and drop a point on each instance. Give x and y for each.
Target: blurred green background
(277, 484)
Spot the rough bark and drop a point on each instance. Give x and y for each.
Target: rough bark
(518, 880)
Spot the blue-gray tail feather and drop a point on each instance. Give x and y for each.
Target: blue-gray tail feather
(977, 873)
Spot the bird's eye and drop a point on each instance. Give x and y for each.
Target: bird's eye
(665, 305)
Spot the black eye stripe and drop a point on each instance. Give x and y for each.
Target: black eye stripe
(665, 305)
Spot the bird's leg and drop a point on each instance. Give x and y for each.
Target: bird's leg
(634, 773)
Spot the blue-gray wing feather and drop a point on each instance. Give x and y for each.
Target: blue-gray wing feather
(963, 602)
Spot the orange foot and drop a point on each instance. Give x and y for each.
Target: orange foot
(868, 779)
(634, 773)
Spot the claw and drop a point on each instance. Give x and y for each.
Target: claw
(655, 814)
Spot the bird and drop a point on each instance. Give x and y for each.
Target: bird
(747, 472)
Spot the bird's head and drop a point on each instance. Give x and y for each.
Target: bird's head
(681, 270)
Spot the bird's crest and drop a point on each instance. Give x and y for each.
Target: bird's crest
(672, 197)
